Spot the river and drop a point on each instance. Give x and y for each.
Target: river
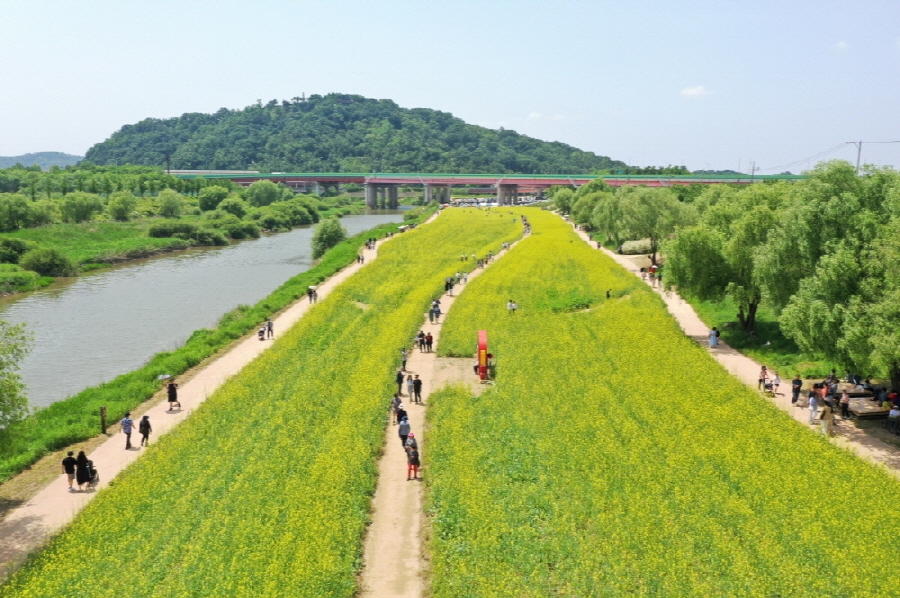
(92, 328)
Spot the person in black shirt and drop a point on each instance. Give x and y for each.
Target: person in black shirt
(796, 383)
(68, 468)
(82, 470)
(417, 389)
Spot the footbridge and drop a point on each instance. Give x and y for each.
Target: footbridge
(383, 189)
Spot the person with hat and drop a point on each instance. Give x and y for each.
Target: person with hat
(411, 441)
(412, 463)
(127, 429)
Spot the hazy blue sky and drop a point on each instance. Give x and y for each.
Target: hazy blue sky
(704, 84)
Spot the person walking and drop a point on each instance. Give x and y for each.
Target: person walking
(412, 463)
(429, 342)
(511, 306)
(82, 470)
(399, 380)
(417, 389)
(403, 357)
(431, 314)
(713, 337)
(420, 341)
(403, 431)
(796, 386)
(437, 314)
(410, 386)
(763, 376)
(776, 382)
(270, 329)
(401, 413)
(68, 468)
(395, 407)
(411, 441)
(144, 428)
(127, 429)
(172, 390)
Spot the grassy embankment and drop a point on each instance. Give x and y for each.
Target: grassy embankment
(616, 457)
(76, 419)
(266, 491)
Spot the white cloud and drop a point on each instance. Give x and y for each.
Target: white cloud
(694, 92)
(558, 117)
(534, 116)
(841, 45)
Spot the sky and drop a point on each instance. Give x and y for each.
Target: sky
(708, 85)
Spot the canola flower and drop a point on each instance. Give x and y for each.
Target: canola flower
(265, 490)
(615, 457)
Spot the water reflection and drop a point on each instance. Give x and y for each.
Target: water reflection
(90, 329)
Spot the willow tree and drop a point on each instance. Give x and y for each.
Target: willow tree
(651, 214)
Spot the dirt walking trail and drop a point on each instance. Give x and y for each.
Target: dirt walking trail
(394, 563)
(747, 371)
(30, 525)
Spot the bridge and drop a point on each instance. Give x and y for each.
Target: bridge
(383, 189)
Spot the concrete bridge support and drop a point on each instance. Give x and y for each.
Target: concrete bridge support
(371, 196)
(386, 196)
(427, 193)
(507, 195)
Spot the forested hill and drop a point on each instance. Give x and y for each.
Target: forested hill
(338, 133)
(45, 160)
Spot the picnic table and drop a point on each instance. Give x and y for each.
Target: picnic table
(864, 407)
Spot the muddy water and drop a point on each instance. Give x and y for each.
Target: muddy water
(95, 327)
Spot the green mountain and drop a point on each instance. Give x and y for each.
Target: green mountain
(338, 133)
(45, 160)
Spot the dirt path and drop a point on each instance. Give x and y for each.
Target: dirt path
(394, 561)
(747, 371)
(29, 526)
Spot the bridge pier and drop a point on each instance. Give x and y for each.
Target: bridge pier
(393, 196)
(371, 196)
(507, 195)
(427, 193)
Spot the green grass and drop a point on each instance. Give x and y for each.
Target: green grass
(99, 241)
(266, 490)
(782, 356)
(76, 418)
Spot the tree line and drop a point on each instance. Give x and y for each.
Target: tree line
(822, 253)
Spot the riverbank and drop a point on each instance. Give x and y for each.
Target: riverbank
(76, 419)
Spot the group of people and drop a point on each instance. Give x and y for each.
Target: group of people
(144, 429)
(313, 294)
(424, 342)
(401, 419)
(653, 273)
(267, 330)
(80, 471)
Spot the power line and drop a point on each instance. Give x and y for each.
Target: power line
(815, 157)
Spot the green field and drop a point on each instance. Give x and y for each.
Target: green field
(266, 490)
(615, 457)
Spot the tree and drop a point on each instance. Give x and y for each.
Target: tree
(121, 205)
(328, 233)
(651, 214)
(563, 200)
(80, 207)
(234, 205)
(169, 203)
(211, 197)
(262, 193)
(15, 342)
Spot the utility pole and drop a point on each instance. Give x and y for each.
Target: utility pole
(858, 145)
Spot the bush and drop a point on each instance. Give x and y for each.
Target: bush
(14, 279)
(208, 236)
(211, 197)
(80, 207)
(231, 225)
(170, 203)
(234, 205)
(12, 250)
(271, 219)
(172, 228)
(121, 205)
(329, 233)
(47, 261)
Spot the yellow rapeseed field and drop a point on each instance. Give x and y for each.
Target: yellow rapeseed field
(615, 457)
(265, 490)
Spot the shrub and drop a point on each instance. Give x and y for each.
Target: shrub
(208, 236)
(329, 233)
(48, 262)
(172, 228)
(231, 225)
(271, 219)
(234, 205)
(170, 203)
(14, 279)
(121, 205)
(80, 207)
(211, 197)
(12, 250)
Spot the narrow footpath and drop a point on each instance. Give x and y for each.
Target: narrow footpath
(394, 563)
(30, 525)
(747, 370)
